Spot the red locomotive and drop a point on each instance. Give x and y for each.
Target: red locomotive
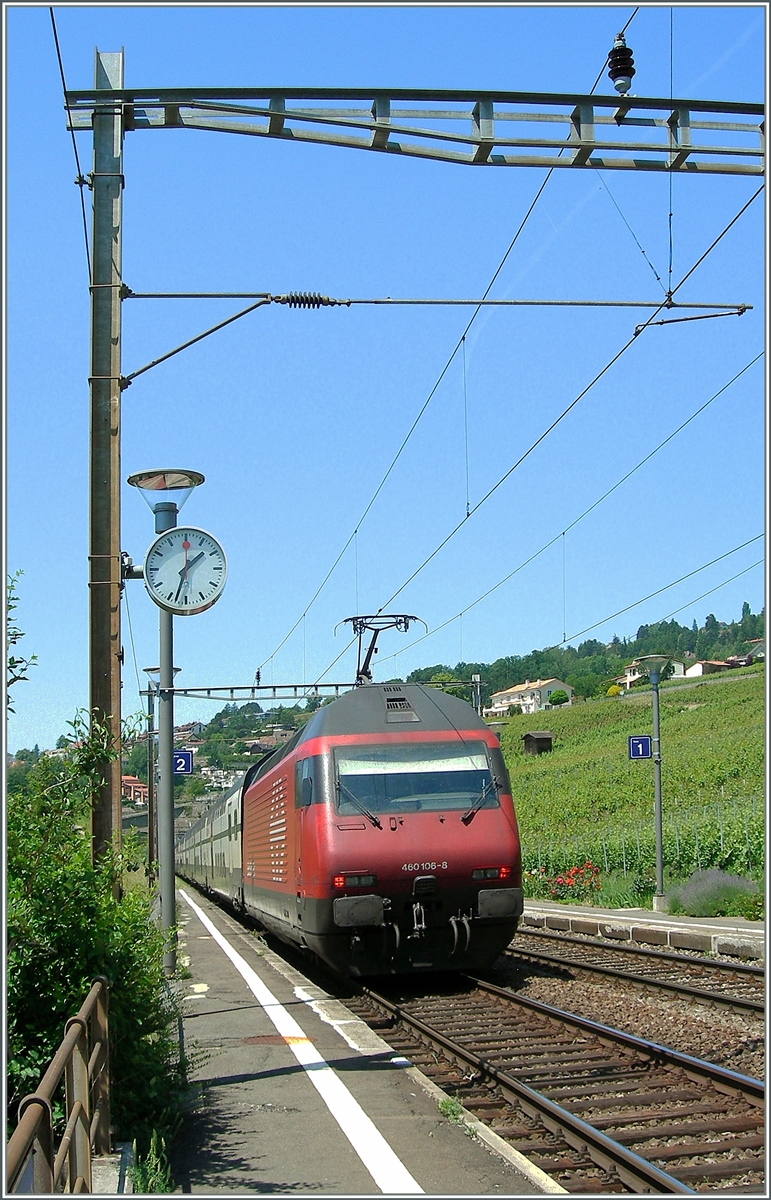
(381, 836)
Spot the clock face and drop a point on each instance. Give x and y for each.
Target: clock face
(185, 570)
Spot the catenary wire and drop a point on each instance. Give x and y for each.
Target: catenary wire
(80, 181)
(666, 588)
(612, 616)
(568, 409)
(717, 588)
(582, 515)
(431, 394)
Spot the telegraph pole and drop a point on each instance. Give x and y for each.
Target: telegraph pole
(104, 535)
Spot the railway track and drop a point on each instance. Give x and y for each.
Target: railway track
(736, 985)
(599, 1110)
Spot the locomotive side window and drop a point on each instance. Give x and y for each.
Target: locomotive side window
(427, 777)
(305, 790)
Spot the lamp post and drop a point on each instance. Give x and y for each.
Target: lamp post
(154, 683)
(654, 664)
(165, 493)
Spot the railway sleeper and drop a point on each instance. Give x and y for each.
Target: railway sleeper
(643, 1098)
(709, 1171)
(697, 1149)
(723, 1125)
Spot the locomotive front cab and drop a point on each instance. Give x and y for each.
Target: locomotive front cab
(422, 859)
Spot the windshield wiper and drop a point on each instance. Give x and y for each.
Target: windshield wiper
(359, 804)
(470, 813)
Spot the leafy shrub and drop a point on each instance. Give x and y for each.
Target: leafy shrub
(715, 893)
(67, 923)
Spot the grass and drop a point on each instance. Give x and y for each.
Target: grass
(586, 800)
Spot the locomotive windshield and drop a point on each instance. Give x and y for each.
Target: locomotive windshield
(414, 778)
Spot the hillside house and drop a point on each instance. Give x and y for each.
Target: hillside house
(531, 697)
(710, 666)
(191, 729)
(632, 673)
(133, 790)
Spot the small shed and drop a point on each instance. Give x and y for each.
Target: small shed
(538, 742)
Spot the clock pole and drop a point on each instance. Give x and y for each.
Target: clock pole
(157, 488)
(166, 518)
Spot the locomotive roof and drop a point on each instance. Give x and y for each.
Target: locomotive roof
(378, 708)
(392, 708)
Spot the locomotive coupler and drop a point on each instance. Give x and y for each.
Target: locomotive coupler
(419, 920)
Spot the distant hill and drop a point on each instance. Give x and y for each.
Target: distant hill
(592, 667)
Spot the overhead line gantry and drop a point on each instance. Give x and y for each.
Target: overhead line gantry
(495, 129)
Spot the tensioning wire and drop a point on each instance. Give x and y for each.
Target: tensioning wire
(573, 403)
(80, 179)
(586, 511)
(131, 639)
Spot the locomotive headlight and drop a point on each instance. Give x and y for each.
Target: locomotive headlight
(491, 873)
(342, 881)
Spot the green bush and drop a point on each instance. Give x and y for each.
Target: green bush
(66, 924)
(715, 893)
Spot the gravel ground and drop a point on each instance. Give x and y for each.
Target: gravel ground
(733, 1040)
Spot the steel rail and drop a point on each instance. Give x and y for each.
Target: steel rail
(651, 981)
(643, 951)
(753, 1090)
(634, 1170)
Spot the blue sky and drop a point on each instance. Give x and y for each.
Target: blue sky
(294, 417)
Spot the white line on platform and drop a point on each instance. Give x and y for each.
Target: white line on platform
(385, 1167)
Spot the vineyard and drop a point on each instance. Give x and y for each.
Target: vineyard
(586, 801)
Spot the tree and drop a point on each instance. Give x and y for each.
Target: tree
(448, 677)
(592, 646)
(194, 787)
(559, 697)
(16, 667)
(135, 762)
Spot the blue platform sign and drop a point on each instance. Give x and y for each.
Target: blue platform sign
(183, 762)
(640, 747)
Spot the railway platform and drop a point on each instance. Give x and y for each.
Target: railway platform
(730, 936)
(293, 1094)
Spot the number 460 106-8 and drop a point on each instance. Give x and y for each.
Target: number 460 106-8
(425, 866)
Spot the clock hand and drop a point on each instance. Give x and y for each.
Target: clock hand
(195, 560)
(184, 572)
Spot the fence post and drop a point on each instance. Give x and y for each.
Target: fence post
(42, 1147)
(747, 836)
(76, 1091)
(101, 1068)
